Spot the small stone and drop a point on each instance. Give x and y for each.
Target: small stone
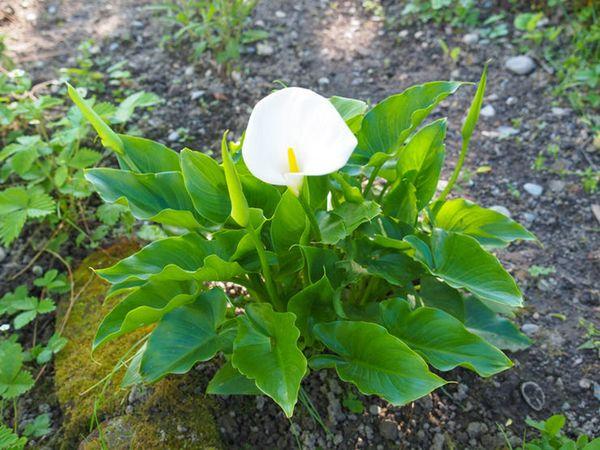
(236, 76)
(560, 112)
(557, 185)
(488, 111)
(533, 395)
(37, 270)
(501, 209)
(533, 189)
(323, 81)
(375, 409)
(476, 429)
(389, 430)
(173, 136)
(530, 329)
(505, 131)
(5, 327)
(471, 38)
(112, 47)
(510, 101)
(438, 442)
(2, 254)
(520, 65)
(528, 219)
(584, 383)
(189, 71)
(52, 9)
(280, 14)
(197, 94)
(403, 34)
(264, 49)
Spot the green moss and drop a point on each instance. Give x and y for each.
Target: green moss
(173, 415)
(176, 416)
(76, 370)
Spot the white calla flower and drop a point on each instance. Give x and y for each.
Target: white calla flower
(295, 132)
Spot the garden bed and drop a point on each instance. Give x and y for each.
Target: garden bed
(345, 50)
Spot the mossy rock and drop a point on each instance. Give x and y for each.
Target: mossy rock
(172, 414)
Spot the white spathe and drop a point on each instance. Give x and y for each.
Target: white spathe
(303, 121)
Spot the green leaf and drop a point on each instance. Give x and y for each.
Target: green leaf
(312, 305)
(421, 161)
(185, 336)
(160, 197)
(229, 381)
(441, 339)
(84, 158)
(477, 317)
(461, 262)
(186, 257)
(323, 262)
(205, 182)
(109, 138)
(266, 351)
(390, 122)
(351, 110)
(288, 224)
(110, 213)
(401, 202)
(145, 306)
(375, 361)
(10, 440)
(147, 156)
(41, 426)
(341, 222)
(128, 106)
(13, 380)
(16, 205)
(489, 227)
(132, 374)
(499, 331)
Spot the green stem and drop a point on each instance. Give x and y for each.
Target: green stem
(457, 169)
(367, 291)
(372, 178)
(266, 270)
(311, 217)
(15, 416)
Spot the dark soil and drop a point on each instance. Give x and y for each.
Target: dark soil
(339, 48)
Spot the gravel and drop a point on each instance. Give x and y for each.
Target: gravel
(534, 189)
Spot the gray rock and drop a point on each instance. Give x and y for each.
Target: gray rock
(280, 14)
(2, 254)
(323, 81)
(533, 395)
(501, 209)
(375, 409)
(264, 49)
(557, 185)
(488, 111)
(37, 270)
(530, 329)
(438, 442)
(528, 218)
(505, 131)
(560, 112)
(584, 383)
(510, 101)
(403, 34)
(195, 95)
(112, 47)
(520, 65)
(173, 136)
(470, 38)
(389, 430)
(533, 189)
(476, 429)
(189, 71)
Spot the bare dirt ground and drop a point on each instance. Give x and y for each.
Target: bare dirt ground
(339, 48)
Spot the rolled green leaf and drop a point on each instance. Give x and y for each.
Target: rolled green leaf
(109, 138)
(239, 205)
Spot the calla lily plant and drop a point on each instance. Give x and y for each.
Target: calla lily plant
(343, 253)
